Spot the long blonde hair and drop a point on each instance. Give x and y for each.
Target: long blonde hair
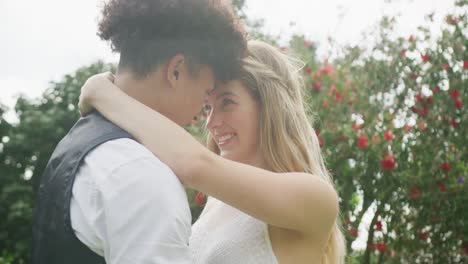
(287, 140)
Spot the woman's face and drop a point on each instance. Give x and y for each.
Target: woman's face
(233, 120)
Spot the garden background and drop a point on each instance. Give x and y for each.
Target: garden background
(391, 117)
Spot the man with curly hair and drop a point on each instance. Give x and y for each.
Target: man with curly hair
(105, 198)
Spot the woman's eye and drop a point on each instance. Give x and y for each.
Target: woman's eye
(227, 102)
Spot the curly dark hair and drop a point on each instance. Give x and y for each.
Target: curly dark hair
(147, 33)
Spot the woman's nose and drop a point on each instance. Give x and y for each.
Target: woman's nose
(213, 120)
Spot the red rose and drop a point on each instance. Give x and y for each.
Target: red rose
(388, 163)
(415, 193)
(442, 187)
(362, 142)
(381, 247)
(411, 38)
(388, 136)
(200, 199)
(423, 236)
(353, 232)
(455, 94)
(453, 123)
(317, 86)
(378, 226)
(465, 65)
(445, 166)
(425, 58)
(307, 43)
(418, 98)
(458, 104)
(308, 70)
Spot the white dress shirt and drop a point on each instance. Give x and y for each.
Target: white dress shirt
(129, 207)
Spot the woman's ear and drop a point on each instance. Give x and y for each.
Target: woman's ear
(175, 68)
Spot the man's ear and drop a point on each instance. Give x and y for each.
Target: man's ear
(175, 68)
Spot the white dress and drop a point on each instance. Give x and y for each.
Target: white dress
(225, 235)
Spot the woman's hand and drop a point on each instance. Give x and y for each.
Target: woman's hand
(89, 90)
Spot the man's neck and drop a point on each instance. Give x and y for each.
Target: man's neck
(145, 91)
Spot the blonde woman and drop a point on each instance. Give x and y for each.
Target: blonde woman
(272, 199)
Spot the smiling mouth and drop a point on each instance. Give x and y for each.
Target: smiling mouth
(224, 140)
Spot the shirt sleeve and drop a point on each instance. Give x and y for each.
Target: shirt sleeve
(145, 216)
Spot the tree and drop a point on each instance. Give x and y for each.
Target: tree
(393, 127)
(24, 153)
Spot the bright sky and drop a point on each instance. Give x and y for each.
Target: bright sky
(44, 40)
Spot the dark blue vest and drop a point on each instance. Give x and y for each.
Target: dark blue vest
(54, 241)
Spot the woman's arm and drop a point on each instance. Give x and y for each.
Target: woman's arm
(297, 201)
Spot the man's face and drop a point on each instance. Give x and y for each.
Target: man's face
(191, 94)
